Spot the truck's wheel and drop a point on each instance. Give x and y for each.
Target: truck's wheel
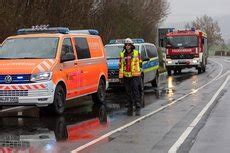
(169, 72)
(99, 96)
(204, 68)
(155, 82)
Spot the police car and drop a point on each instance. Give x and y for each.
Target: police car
(149, 56)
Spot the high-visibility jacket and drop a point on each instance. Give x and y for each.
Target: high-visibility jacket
(135, 65)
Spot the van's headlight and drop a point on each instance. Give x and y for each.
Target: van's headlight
(43, 76)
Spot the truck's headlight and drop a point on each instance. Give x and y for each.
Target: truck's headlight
(195, 61)
(43, 76)
(169, 62)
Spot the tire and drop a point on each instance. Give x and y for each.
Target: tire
(199, 70)
(169, 72)
(204, 69)
(99, 96)
(58, 105)
(155, 82)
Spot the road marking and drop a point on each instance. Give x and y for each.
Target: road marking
(145, 116)
(10, 109)
(226, 60)
(186, 133)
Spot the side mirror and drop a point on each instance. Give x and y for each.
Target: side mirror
(67, 57)
(145, 59)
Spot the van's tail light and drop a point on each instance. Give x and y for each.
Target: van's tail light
(196, 55)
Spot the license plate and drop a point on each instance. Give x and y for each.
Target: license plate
(182, 62)
(113, 80)
(9, 99)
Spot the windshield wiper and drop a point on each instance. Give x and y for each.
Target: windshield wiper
(30, 58)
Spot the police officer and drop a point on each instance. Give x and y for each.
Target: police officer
(130, 72)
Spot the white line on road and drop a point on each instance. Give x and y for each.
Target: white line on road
(145, 116)
(186, 133)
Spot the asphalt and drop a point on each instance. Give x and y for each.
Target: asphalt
(24, 129)
(215, 135)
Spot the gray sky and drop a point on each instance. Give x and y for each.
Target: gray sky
(187, 10)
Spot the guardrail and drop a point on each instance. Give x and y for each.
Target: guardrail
(222, 53)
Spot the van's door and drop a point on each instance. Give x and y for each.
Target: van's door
(145, 63)
(70, 68)
(153, 62)
(85, 64)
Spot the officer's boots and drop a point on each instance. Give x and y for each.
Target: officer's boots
(130, 111)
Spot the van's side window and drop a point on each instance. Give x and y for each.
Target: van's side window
(152, 51)
(67, 47)
(149, 51)
(82, 48)
(143, 53)
(155, 54)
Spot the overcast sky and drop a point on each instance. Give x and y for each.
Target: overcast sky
(187, 10)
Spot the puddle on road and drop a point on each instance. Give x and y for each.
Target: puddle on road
(41, 134)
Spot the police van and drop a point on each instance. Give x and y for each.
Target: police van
(47, 66)
(149, 56)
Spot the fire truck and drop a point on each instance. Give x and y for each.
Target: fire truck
(186, 49)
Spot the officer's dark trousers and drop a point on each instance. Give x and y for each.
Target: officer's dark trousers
(133, 90)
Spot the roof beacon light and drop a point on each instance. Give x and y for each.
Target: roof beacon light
(171, 29)
(43, 29)
(122, 41)
(89, 32)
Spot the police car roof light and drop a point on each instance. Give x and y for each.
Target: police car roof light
(121, 41)
(89, 31)
(62, 30)
(171, 29)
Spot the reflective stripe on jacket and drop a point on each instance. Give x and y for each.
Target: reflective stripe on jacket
(135, 65)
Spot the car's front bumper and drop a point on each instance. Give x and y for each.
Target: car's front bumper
(40, 94)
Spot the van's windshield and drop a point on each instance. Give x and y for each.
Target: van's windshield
(29, 48)
(114, 51)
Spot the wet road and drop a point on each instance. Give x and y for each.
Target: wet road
(84, 127)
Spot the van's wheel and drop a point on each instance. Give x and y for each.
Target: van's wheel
(155, 82)
(58, 105)
(99, 96)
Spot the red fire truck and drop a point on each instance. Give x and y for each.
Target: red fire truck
(186, 49)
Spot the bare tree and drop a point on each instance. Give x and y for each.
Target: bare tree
(113, 18)
(211, 27)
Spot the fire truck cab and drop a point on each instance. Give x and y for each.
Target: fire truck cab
(186, 49)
